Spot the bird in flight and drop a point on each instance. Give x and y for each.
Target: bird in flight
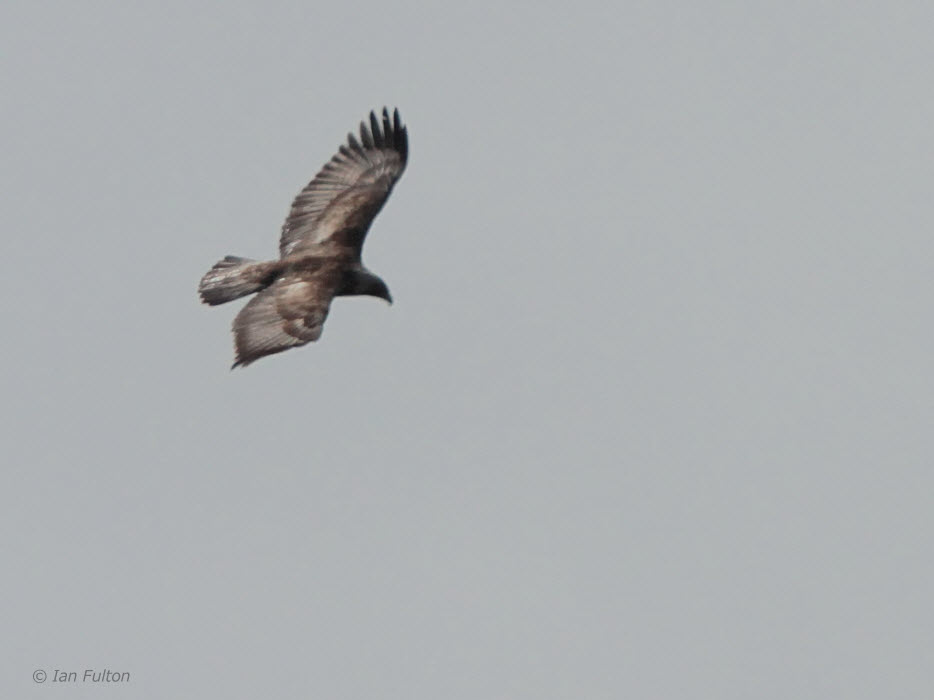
(319, 249)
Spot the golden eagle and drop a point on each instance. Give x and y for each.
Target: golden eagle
(319, 250)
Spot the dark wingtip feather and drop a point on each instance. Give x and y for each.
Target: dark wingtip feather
(376, 130)
(400, 139)
(388, 134)
(354, 144)
(365, 137)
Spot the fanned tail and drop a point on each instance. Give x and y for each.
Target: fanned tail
(234, 277)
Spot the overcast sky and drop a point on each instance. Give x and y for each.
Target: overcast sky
(651, 416)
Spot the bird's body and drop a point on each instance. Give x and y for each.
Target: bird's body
(320, 247)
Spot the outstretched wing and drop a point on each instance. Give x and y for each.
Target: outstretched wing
(287, 314)
(351, 188)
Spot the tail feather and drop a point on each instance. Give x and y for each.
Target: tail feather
(234, 277)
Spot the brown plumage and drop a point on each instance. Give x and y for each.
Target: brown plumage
(319, 250)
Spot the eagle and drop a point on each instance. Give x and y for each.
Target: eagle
(319, 249)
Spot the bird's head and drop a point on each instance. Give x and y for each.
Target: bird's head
(362, 281)
(375, 287)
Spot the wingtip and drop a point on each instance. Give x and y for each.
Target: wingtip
(388, 132)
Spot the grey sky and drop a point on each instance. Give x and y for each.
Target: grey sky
(650, 416)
